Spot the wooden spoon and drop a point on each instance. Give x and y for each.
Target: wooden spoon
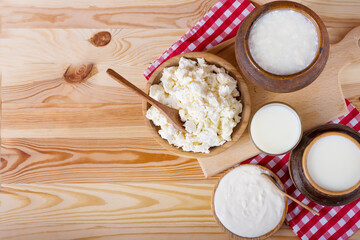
(171, 114)
(292, 198)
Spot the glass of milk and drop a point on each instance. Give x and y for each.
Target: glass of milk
(275, 128)
(331, 163)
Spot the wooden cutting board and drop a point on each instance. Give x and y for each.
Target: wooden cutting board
(318, 103)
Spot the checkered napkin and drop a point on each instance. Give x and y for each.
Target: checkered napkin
(220, 24)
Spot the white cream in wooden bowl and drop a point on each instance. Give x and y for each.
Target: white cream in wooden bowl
(333, 162)
(246, 203)
(283, 42)
(275, 128)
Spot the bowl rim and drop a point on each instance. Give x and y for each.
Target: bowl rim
(296, 170)
(306, 171)
(301, 128)
(274, 82)
(266, 235)
(305, 13)
(238, 130)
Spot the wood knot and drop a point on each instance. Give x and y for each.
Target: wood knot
(79, 73)
(100, 39)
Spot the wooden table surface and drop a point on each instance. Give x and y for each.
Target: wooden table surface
(76, 158)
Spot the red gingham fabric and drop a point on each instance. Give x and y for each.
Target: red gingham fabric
(219, 24)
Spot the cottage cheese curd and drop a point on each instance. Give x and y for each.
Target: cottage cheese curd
(246, 203)
(206, 97)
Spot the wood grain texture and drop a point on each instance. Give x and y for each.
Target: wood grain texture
(53, 120)
(140, 14)
(29, 160)
(100, 14)
(56, 132)
(129, 52)
(42, 74)
(112, 211)
(171, 114)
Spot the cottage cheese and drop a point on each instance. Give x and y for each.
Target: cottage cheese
(206, 97)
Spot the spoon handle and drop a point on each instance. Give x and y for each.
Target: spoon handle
(269, 178)
(302, 204)
(131, 86)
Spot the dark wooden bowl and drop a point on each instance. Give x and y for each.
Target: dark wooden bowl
(280, 83)
(244, 97)
(237, 237)
(297, 172)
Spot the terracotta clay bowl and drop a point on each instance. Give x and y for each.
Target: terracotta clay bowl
(280, 83)
(244, 98)
(237, 237)
(298, 172)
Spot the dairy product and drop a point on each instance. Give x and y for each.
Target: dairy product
(275, 128)
(246, 203)
(206, 97)
(283, 42)
(333, 163)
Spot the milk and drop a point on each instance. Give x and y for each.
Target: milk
(275, 128)
(333, 163)
(283, 42)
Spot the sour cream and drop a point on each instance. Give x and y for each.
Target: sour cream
(246, 203)
(283, 42)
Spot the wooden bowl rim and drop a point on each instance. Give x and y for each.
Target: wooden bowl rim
(301, 128)
(306, 171)
(281, 83)
(233, 235)
(238, 130)
(297, 175)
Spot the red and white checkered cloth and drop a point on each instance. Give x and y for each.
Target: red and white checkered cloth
(219, 24)
(222, 23)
